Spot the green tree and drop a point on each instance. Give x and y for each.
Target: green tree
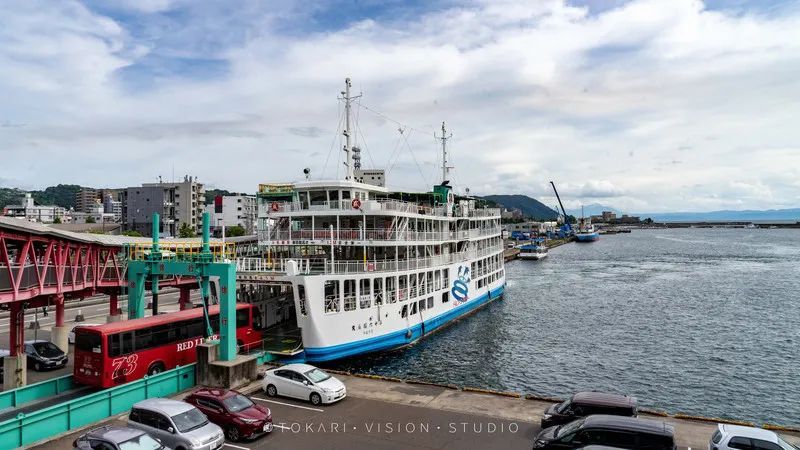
(90, 219)
(185, 231)
(131, 233)
(57, 220)
(234, 231)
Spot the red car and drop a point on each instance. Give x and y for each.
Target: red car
(239, 416)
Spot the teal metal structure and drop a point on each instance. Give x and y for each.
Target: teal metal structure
(204, 264)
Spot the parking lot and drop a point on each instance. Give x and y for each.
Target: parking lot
(387, 415)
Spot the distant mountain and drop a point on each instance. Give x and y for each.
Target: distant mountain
(61, 195)
(530, 207)
(792, 214)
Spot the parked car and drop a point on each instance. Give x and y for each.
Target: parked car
(585, 404)
(615, 431)
(117, 438)
(44, 355)
(236, 413)
(71, 335)
(304, 382)
(177, 424)
(747, 438)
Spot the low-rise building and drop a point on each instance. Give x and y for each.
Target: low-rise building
(31, 212)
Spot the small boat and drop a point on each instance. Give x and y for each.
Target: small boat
(586, 231)
(535, 249)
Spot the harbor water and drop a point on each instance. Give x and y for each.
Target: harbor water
(695, 321)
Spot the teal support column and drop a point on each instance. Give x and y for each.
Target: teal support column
(206, 232)
(227, 306)
(136, 285)
(155, 254)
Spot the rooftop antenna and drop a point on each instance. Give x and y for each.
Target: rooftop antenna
(445, 167)
(348, 148)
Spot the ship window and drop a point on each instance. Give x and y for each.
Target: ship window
(391, 293)
(422, 305)
(301, 297)
(412, 285)
(332, 296)
(365, 299)
(445, 297)
(430, 282)
(349, 295)
(333, 195)
(413, 308)
(378, 289)
(430, 302)
(318, 197)
(403, 285)
(303, 199)
(446, 277)
(345, 195)
(404, 311)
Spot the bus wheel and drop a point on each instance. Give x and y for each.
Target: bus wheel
(271, 391)
(155, 369)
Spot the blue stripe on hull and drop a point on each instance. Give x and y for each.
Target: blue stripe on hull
(399, 338)
(587, 237)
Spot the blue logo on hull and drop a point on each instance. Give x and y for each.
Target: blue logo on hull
(460, 290)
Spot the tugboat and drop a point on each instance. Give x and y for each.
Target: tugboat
(536, 249)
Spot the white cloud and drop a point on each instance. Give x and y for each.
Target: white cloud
(654, 105)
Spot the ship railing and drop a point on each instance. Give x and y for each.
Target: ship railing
(371, 234)
(389, 205)
(264, 265)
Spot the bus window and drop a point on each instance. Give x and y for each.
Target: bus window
(88, 342)
(242, 318)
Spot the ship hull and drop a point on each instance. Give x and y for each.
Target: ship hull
(587, 237)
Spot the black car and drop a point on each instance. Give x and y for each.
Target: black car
(117, 438)
(585, 404)
(612, 431)
(44, 355)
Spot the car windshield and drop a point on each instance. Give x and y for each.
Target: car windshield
(317, 375)
(47, 349)
(569, 428)
(237, 403)
(143, 442)
(562, 407)
(785, 444)
(189, 420)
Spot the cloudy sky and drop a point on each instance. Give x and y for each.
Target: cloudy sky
(645, 105)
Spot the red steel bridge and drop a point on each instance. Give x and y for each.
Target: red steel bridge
(42, 266)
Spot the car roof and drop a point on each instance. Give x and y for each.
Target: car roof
(630, 424)
(115, 433)
(217, 393)
(164, 405)
(36, 341)
(604, 399)
(4, 352)
(298, 367)
(750, 432)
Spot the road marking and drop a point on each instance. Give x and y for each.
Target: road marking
(281, 427)
(235, 446)
(288, 404)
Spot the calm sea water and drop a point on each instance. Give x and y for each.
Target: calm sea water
(699, 321)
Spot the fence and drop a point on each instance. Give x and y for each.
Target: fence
(37, 391)
(26, 429)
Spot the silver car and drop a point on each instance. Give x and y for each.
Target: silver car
(112, 437)
(730, 437)
(176, 424)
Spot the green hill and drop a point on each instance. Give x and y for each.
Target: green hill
(61, 195)
(530, 207)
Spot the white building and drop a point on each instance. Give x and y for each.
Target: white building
(35, 213)
(241, 210)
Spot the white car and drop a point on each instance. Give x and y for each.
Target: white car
(731, 437)
(71, 335)
(304, 382)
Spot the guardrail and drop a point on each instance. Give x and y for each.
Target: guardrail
(26, 429)
(26, 394)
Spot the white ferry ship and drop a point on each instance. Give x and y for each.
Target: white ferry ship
(353, 267)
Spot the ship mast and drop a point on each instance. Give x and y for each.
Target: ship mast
(348, 147)
(445, 167)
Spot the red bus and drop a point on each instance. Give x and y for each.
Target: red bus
(115, 353)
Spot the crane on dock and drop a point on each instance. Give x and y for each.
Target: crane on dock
(567, 226)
